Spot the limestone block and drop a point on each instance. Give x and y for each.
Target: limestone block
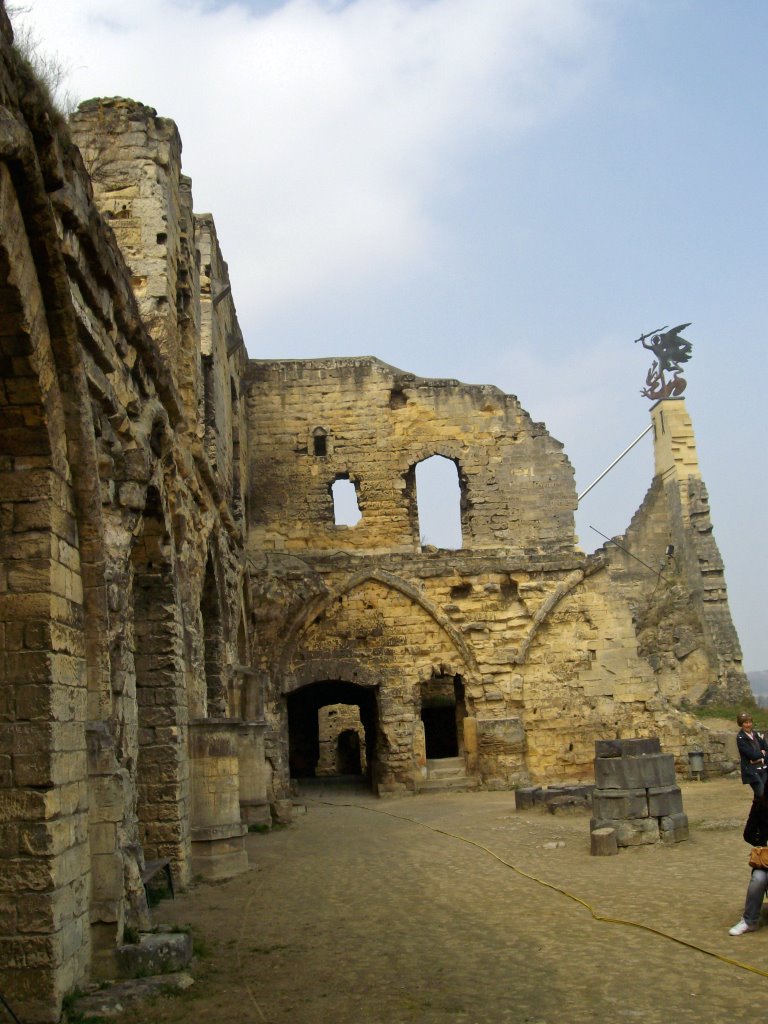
(526, 798)
(38, 913)
(637, 832)
(507, 734)
(674, 828)
(664, 801)
(603, 842)
(620, 803)
(627, 748)
(132, 495)
(567, 804)
(635, 772)
(256, 813)
(631, 832)
(469, 726)
(160, 953)
(282, 811)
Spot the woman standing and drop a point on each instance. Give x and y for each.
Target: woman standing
(756, 834)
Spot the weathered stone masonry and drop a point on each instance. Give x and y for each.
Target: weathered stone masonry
(177, 603)
(125, 618)
(540, 639)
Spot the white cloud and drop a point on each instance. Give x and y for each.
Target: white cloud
(320, 133)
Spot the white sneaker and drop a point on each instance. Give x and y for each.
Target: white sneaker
(742, 927)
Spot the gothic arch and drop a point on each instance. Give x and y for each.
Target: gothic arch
(318, 604)
(49, 350)
(54, 603)
(545, 609)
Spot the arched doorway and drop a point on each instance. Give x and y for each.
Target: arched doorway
(342, 741)
(351, 754)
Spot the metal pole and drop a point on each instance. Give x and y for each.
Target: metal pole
(620, 457)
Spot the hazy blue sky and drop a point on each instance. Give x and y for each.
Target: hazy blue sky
(502, 191)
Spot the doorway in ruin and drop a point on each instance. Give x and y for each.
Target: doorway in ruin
(332, 731)
(443, 711)
(349, 753)
(341, 741)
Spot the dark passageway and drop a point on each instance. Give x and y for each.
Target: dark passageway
(303, 730)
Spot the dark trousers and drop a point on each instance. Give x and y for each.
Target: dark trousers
(757, 782)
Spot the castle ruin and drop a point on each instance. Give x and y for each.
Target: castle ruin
(179, 608)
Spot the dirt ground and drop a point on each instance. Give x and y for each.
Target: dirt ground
(368, 911)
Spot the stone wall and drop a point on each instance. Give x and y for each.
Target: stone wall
(339, 722)
(124, 608)
(377, 423)
(547, 645)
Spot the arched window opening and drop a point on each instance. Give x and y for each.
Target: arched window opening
(319, 442)
(346, 511)
(438, 499)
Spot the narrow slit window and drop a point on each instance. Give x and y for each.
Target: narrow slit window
(438, 499)
(346, 511)
(319, 442)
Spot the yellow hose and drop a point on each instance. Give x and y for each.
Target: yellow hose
(557, 888)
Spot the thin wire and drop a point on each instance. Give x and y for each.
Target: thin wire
(604, 918)
(615, 462)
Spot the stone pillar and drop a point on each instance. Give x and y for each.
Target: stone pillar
(254, 804)
(218, 850)
(635, 793)
(470, 745)
(117, 894)
(674, 446)
(419, 751)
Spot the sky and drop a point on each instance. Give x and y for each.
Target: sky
(505, 192)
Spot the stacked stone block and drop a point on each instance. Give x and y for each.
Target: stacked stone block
(636, 793)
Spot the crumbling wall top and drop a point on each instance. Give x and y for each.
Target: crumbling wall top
(376, 423)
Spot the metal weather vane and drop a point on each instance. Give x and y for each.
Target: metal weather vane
(669, 351)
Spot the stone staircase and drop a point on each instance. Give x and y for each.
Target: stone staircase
(446, 775)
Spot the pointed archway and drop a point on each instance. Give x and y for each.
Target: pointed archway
(378, 631)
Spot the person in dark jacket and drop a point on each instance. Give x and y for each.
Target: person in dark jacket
(756, 834)
(752, 753)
